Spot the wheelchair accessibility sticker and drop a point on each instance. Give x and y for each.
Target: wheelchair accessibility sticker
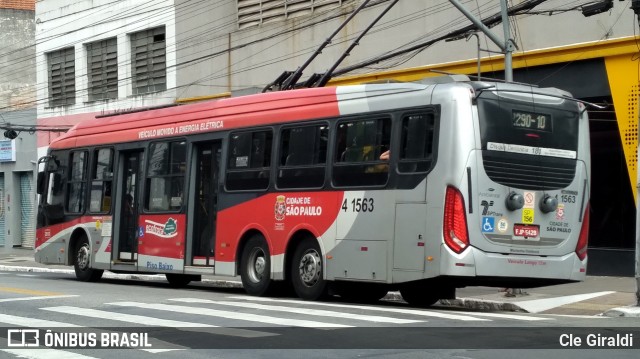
(488, 224)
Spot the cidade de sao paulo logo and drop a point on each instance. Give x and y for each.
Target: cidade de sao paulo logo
(295, 206)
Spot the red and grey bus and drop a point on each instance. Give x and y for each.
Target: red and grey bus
(355, 190)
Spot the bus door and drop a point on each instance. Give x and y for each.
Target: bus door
(203, 209)
(126, 246)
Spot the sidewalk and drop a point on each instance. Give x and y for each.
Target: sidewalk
(608, 296)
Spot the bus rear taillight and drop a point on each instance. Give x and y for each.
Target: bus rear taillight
(583, 240)
(456, 235)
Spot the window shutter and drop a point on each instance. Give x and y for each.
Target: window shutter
(62, 81)
(102, 70)
(149, 61)
(257, 12)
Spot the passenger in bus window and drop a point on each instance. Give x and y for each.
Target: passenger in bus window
(385, 155)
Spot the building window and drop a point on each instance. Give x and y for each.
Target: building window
(148, 61)
(62, 78)
(102, 70)
(254, 13)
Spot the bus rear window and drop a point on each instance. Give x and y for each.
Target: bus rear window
(528, 127)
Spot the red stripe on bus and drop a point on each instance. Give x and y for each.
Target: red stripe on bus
(255, 110)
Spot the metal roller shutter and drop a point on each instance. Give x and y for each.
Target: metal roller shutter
(28, 233)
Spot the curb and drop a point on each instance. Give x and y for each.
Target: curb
(110, 275)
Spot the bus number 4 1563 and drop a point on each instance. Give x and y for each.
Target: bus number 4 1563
(358, 205)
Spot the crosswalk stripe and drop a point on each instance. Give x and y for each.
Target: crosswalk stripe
(129, 318)
(506, 316)
(232, 315)
(307, 311)
(424, 313)
(45, 354)
(33, 322)
(151, 321)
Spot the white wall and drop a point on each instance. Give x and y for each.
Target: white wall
(213, 29)
(87, 21)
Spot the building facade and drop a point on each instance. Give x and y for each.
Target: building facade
(18, 114)
(107, 56)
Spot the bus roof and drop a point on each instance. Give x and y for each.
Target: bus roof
(216, 115)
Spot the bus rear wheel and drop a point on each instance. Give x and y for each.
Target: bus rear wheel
(307, 271)
(255, 267)
(82, 262)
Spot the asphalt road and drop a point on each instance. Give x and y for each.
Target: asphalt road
(202, 321)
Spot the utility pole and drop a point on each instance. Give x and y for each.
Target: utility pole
(506, 45)
(635, 6)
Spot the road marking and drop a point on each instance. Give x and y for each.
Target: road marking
(307, 311)
(129, 318)
(37, 298)
(27, 275)
(540, 305)
(151, 321)
(33, 322)
(263, 319)
(45, 354)
(27, 291)
(506, 316)
(424, 313)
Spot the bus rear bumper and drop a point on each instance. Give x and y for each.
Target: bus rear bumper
(507, 267)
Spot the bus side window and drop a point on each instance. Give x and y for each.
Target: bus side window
(359, 145)
(303, 153)
(76, 183)
(416, 150)
(101, 180)
(249, 161)
(165, 176)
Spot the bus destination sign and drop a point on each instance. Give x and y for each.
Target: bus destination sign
(531, 120)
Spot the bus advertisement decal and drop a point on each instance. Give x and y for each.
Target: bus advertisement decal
(162, 235)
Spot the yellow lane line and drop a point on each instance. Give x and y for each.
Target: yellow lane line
(27, 291)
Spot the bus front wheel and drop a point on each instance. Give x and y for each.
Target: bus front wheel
(82, 262)
(307, 271)
(255, 267)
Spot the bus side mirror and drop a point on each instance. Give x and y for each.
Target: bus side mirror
(42, 180)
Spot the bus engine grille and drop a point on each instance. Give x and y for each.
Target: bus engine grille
(527, 171)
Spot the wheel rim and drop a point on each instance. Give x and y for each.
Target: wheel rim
(83, 256)
(310, 267)
(256, 265)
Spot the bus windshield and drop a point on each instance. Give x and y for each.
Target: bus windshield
(535, 127)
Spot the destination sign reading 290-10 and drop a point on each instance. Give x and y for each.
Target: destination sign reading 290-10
(531, 120)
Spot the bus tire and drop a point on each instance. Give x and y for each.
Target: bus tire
(420, 296)
(82, 262)
(307, 271)
(255, 267)
(178, 280)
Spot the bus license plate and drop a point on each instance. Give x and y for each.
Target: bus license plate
(523, 230)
